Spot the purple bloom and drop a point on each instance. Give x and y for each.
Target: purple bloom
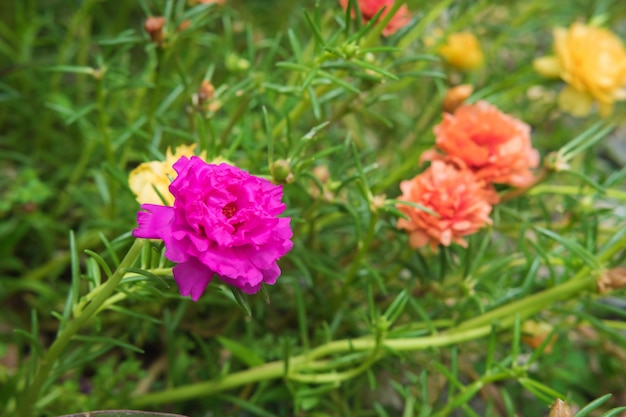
(224, 221)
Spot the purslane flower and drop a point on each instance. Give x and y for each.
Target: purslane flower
(463, 51)
(493, 145)
(592, 61)
(224, 222)
(369, 8)
(459, 199)
(158, 175)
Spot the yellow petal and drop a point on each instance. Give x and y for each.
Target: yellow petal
(574, 102)
(145, 178)
(548, 66)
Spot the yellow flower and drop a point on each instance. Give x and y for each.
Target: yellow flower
(592, 61)
(150, 180)
(462, 50)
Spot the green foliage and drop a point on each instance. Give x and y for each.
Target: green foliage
(359, 323)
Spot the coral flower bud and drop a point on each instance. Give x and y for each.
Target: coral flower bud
(154, 26)
(456, 96)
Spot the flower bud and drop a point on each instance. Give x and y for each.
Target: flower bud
(561, 409)
(554, 161)
(322, 173)
(154, 26)
(236, 64)
(205, 92)
(98, 73)
(183, 25)
(536, 332)
(281, 171)
(350, 50)
(456, 96)
(378, 202)
(613, 279)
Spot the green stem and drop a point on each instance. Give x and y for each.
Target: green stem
(103, 122)
(470, 390)
(573, 190)
(29, 398)
(505, 315)
(362, 251)
(299, 110)
(77, 173)
(473, 329)
(278, 369)
(585, 279)
(240, 111)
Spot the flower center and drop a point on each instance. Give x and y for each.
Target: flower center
(229, 210)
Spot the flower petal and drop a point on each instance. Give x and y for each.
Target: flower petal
(574, 102)
(548, 66)
(154, 222)
(192, 278)
(224, 222)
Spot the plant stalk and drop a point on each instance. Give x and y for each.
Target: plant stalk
(28, 399)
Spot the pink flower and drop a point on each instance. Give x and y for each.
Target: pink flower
(369, 8)
(494, 145)
(459, 199)
(224, 222)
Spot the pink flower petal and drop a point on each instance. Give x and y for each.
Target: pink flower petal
(154, 222)
(223, 221)
(192, 278)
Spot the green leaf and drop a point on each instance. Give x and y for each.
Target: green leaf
(100, 261)
(614, 412)
(374, 68)
(145, 273)
(73, 69)
(542, 391)
(122, 413)
(573, 246)
(108, 341)
(241, 300)
(315, 29)
(586, 410)
(241, 351)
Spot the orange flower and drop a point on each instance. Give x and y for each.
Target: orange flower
(494, 145)
(592, 61)
(455, 194)
(369, 8)
(462, 50)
